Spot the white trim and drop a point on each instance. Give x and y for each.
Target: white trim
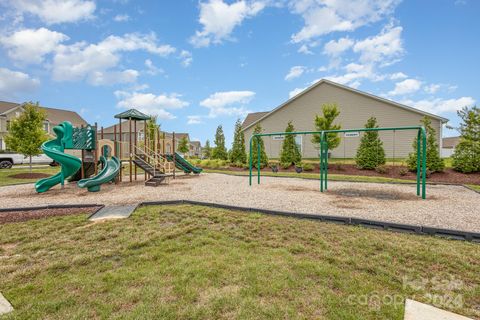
(10, 110)
(316, 84)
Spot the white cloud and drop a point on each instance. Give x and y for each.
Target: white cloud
(356, 72)
(151, 68)
(323, 17)
(13, 83)
(56, 11)
(432, 88)
(335, 48)
(227, 103)
(383, 48)
(295, 72)
(406, 86)
(218, 19)
(31, 45)
(437, 105)
(102, 78)
(194, 119)
(186, 57)
(304, 49)
(398, 76)
(150, 103)
(81, 60)
(121, 18)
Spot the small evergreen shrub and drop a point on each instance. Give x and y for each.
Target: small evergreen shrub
(381, 169)
(370, 153)
(308, 167)
(403, 172)
(466, 157)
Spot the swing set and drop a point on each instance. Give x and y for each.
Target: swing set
(323, 147)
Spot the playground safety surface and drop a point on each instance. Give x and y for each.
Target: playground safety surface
(446, 206)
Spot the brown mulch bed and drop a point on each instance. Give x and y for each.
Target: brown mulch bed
(29, 175)
(20, 216)
(448, 176)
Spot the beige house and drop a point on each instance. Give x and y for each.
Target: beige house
(11, 110)
(448, 146)
(355, 106)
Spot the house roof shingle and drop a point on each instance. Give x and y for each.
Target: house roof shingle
(253, 117)
(450, 142)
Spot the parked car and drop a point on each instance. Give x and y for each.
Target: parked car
(7, 160)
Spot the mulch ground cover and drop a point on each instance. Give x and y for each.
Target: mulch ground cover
(29, 175)
(396, 172)
(20, 216)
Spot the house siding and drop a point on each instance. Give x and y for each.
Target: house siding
(355, 109)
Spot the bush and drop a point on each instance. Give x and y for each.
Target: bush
(434, 162)
(290, 153)
(381, 169)
(285, 166)
(339, 167)
(466, 158)
(308, 167)
(403, 172)
(370, 153)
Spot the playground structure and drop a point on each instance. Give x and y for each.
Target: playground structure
(148, 155)
(323, 152)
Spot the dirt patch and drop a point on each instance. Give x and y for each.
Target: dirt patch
(372, 194)
(20, 216)
(29, 175)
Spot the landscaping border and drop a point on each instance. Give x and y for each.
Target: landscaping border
(367, 223)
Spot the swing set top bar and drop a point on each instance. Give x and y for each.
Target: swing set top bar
(421, 158)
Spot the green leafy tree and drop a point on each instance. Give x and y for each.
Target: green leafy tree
(290, 154)
(207, 150)
(238, 153)
(263, 154)
(370, 153)
(183, 145)
(434, 162)
(330, 113)
(466, 157)
(219, 151)
(26, 133)
(150, 132)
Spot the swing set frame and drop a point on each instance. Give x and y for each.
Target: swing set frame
(323, 147)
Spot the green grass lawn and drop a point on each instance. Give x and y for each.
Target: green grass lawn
(474, 187)
(6, 179)
(191, 262)
(306, 175)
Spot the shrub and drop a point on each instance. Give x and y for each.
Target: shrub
(466, 157)
(370, 153)
(308, 167)
(339, 167)
(403, 172)
(285, 165)
(237, 153)
(263, 154)
(290, 153)
(381, 169)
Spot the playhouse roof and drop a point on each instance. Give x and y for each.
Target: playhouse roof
(132, 114)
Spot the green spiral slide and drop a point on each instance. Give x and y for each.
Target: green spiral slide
(55, 150)
(110, 170)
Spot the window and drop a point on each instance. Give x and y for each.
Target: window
(1, 144)
(8, 125)
(140, 136)
(45, 126)
(17, 114)
(298, 142)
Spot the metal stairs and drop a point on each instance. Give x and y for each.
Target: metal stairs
(157, 177)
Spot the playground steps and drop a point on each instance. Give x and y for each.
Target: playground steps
(156, 181)
(147, 167)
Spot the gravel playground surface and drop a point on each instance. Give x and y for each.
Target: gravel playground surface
(449, 207)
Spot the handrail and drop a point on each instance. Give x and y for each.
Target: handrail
(157, 159)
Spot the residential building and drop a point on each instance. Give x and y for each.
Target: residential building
(12, 110)
(355, 107)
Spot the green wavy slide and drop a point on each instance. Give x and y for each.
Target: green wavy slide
(55, 150)
(110, 170)
(183, 164)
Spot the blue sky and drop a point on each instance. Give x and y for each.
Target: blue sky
(200, 64)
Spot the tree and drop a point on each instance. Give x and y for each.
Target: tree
(26, 133)
(238, 153)
(434, 162)
(466, 157)
(290, 154)
(207, 150)
(330, 113)
(151, 131)
(263, 154)
(219, 151)
(370, 153)
(183, 145)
